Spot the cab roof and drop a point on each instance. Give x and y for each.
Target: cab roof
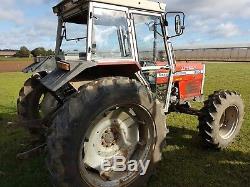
(136, 4)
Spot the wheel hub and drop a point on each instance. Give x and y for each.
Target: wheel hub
(228, 122)
(110, 137)
(117, 134)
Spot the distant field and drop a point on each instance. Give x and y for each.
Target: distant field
(14, 64)
(185, 162)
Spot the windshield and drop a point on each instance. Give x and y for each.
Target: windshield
(110, 37)
(149, 36)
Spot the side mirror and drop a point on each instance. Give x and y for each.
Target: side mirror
(178, 27)
(179, 19)
(64, 32)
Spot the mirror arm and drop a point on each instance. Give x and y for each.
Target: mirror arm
(169, 37)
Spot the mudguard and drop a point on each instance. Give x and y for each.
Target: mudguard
(47, 65)
(57, 78)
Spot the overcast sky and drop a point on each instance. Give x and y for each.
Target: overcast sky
(209, 23)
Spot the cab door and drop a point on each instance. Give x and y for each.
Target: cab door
(153, 53)
(149, 38)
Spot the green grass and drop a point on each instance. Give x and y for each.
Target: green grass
(14, 59)
(185, 162)
(14, 140)
(10, 84)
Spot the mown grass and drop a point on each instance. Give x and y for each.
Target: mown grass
(185, 162)
(15, 59)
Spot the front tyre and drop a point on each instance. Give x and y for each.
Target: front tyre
(221, 119)
(109, 117)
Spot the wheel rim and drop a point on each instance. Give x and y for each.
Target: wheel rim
(123, 130)
(228, 122)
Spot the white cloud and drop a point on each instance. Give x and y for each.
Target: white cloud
(227, 30)
(212, 21)
(15, 16)
(40, 2)
(15, 38)
(39, 30)
(9, 12)
(5, 3)
(34, 34)
(213, 8)
(208, 21)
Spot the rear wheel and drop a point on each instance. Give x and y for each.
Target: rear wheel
(34, 103)
(221, 119)
(108, 118)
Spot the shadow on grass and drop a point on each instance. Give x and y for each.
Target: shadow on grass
(13, 140)
(187, 163)
(7, 113)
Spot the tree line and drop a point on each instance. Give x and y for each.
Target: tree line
(24, 52)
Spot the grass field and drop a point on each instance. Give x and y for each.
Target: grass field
(185, 162)
(13, 59)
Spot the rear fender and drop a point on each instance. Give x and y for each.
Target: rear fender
(47, 65)
(87, 71)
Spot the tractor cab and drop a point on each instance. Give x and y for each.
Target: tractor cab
(108, 30)
(130, 37)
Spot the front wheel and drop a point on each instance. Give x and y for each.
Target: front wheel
(112, 118)
(221, 119)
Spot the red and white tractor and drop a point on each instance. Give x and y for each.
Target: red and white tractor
(107, 92)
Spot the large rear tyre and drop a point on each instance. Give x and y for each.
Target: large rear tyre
(109, 117)
(33, 104)
(221, 119)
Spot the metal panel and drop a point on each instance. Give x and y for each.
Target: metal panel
(243, 54)
(58, 78)
(248, 54)
(137, 4)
